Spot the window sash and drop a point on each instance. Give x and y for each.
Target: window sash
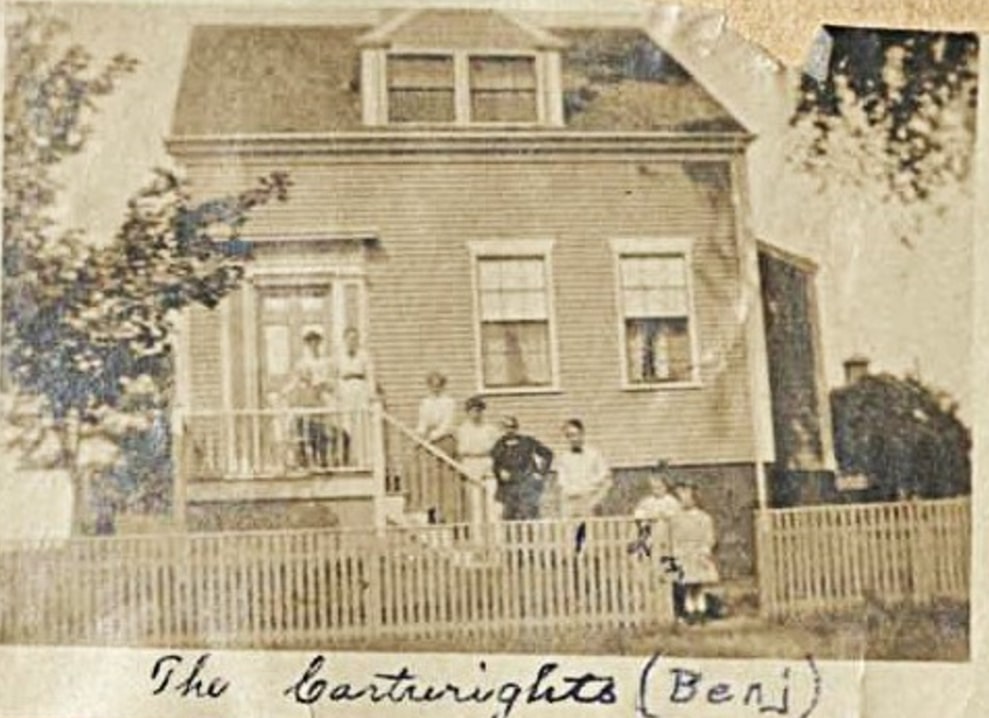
(514, 315)
(458, 88)
(657, 318)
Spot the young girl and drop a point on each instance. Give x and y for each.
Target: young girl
(693, 539)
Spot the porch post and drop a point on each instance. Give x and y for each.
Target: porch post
(378, 462)
(179, 468)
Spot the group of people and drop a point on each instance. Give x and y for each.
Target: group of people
(330, 396)
(670, 512)
(513, 467)
(515, 470)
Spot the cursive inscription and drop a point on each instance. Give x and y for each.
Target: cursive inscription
(549, 685)
(684, 687)
(171, 672)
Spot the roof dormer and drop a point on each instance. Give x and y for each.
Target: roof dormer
(460, 68)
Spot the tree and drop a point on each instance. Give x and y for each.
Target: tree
(894, 108)
(87, 326)
(902, 435)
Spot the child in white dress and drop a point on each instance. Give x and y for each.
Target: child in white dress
(693, 539)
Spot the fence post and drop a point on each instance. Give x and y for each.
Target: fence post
(765, 563)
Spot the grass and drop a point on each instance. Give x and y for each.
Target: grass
(875, 632)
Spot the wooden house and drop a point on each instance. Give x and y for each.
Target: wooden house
(552, 216)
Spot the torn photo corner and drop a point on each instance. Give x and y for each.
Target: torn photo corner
(490, 359)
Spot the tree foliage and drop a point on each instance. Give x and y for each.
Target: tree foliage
(897, 106)
(902, 435)
(87, 326)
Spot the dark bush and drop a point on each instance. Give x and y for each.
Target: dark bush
(902, 435)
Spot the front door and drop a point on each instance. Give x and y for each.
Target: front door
(287, 435)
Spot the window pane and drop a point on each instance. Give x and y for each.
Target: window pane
(420, 106)
(274, 304)
(513, 288)
(420, 88)
(516, 354)
(526, 304)
(522, 273)
(502, 73)
(502, 106)
(352, 307)
(420, 72)
(658, 350)
(654, 286)
(277, 350)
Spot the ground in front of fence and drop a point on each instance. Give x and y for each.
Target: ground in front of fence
(935, 633)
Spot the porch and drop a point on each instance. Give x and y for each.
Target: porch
(320, 454)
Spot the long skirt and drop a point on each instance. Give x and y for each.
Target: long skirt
(451, 492)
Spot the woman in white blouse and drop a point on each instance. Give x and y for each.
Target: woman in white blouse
(354, 382)
(437, 412)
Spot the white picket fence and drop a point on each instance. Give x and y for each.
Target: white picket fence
(336, 588)
(826, 558)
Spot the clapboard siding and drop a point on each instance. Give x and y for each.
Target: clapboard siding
(420, 302)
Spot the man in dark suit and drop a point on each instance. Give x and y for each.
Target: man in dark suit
(520, 464)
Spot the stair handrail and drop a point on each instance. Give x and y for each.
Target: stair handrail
(465, 475)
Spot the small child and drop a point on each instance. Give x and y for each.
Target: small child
(657, 509)
(659, 503)
(693, 540)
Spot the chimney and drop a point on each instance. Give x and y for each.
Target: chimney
(856, 367)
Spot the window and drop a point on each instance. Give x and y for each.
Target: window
(503, 89)
(655, 301)
(462, 88)
(421, 88)
(514, 315)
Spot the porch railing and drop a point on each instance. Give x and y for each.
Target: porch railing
(823, 558)
(275, 443)
(432, 482)
(330, 587)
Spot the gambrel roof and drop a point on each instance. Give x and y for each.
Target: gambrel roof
(241, 80)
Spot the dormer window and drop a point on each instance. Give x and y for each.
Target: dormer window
(503, 89)
(462, 88)
(460, 68)
(421, 88)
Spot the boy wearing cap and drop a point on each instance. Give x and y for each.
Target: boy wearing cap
(519, 464)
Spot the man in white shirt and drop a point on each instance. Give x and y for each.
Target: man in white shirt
(582, 474)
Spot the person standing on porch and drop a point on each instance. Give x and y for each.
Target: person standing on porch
(310, 389)
(519, 463)
(354, 381)
(475, 440)
(693, 540)
(437, 412)
(582, 474)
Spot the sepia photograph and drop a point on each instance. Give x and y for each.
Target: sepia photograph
(470, 328)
